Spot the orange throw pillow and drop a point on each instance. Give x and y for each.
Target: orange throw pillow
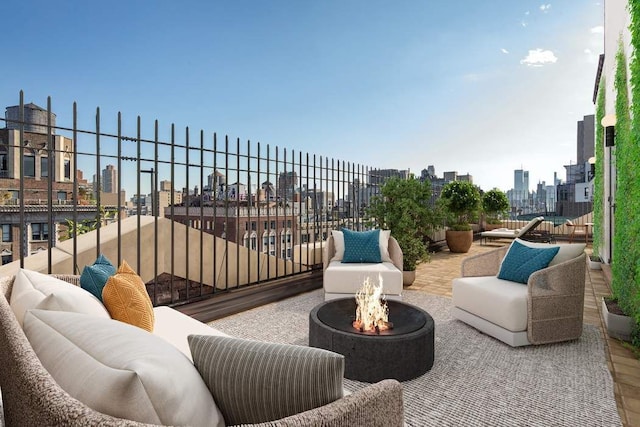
(127, 300)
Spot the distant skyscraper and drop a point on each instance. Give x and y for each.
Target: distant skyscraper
(110, 179)
(520, 184)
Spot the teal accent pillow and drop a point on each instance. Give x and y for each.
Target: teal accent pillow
(521, 261)
(361, 246)
(95, 276)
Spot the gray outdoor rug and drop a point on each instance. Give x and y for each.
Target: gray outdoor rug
(475, 380)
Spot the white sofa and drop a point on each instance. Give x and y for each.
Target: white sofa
(549, 308)
(31, 396)
(341, 280)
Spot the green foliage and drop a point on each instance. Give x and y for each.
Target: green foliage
(76, 228)
(598, 190)
(626, 260)
(461, 202)
(495, 204)
(403, 207)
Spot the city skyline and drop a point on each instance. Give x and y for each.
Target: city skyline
(466, 86)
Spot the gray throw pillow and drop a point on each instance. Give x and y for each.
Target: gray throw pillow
(254, 382)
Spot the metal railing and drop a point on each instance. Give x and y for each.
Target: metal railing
(266, 206)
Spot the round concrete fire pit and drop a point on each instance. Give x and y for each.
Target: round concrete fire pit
(402, 353)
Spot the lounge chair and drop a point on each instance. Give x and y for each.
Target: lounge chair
(523, 233)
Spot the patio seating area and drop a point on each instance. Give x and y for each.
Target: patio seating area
(435, 278)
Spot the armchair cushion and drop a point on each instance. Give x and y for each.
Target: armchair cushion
(521, 261)
(566, 251)
(120, 370)
(36, 290)
(127, 300)
(95, 276)
(255, 381)
(338, 242)
(361, 246)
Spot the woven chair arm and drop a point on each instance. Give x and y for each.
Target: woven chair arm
(485, 264)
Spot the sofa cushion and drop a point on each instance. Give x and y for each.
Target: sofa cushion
(127, 300)
(120, 370)
(348, 278)
(36, 290)
(95, 276)
(501, 302)
(361, 246)
(338, 243)
(566, 251)
(521, 261)
(255, 381)
(174, 327)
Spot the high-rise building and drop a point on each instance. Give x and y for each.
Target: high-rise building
(110, 179)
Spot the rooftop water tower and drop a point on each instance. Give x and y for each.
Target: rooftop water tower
(35, 118)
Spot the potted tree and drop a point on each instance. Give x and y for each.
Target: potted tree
(403, 206)
(460, 200)
(494, 205)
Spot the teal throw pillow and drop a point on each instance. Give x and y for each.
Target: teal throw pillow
(95, 276)
(521, 261)
(361, 246)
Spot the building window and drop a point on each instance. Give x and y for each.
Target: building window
(44, 166)
(40, 231)
(254, 226)
(254, 242)
(273, 225)
(6, 259)
(3, 165)
(29, 168)
(62, 195)
(6, 232)
(67, 169)
(265, 242)
(245, 240)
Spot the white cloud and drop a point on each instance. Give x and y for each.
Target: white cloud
(545, 7)
(527, 13)
(523, 23)
(539, 57)
(503, 50)
(597, 30)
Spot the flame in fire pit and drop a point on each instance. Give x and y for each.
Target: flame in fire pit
(372, 312)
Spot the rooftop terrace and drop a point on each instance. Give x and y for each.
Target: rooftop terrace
(435, 278)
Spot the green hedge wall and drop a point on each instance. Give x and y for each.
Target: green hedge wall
(626, 260)
(598, 190)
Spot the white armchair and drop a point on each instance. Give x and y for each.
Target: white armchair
(341, 280)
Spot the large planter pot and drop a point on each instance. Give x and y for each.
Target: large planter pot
(408, 277)
(594, 265)
(459, 241)
(618, 326)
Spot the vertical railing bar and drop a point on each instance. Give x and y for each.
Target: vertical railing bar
(315, 208)
(155, 204)
(226, 213)
(24, 238)
(266, 195)
(50, 174)
(119, 259)
(99, 179)
(306, 174)
(172, 197)
(201, 272)
(214, 280)
(237, 212)
(249, 207)
(276, 213)
(75, 188)
(139, 172)
(326, 199)
(266, 228)
(293, 219)
(188, 224)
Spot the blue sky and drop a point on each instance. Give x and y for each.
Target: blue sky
(478, 87)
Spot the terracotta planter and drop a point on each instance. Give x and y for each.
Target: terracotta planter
(459, 241)
(618, 326)
(408, 277)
